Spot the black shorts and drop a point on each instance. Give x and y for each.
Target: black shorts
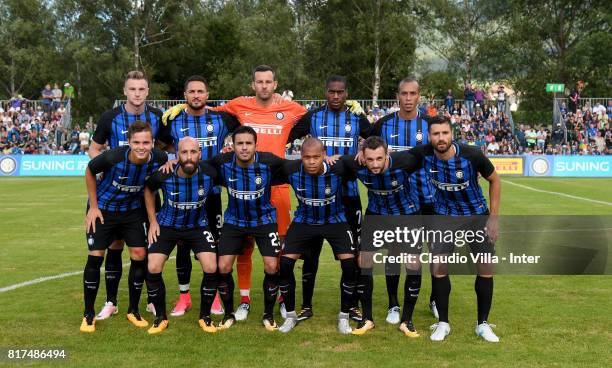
(266, 237)
(130, 226)
(199, 239)
(427, 209)
(300, 238)
(479, 243)
(213, 214)
(354, 214)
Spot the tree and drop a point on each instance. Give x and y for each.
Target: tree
(28, 59)
(371, 42)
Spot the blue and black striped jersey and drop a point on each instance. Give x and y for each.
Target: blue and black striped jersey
(318, 195)
(184, 198)
(456, 180)
(389, 192)
(210, 130)
(121, 188)
(248, 189)
(113, 125)
(339, 132)
(402, 135)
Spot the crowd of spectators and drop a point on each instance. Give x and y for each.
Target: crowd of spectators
(479, 120)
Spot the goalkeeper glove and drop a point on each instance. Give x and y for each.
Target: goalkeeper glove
(354, 107)
(172, 112)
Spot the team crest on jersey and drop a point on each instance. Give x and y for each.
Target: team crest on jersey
(394, 183)
(258, 180)
(327, 190)
(210, 128)
(459, 174)
(419, 136)
(280, 115)
(201, 191)
(347, 128)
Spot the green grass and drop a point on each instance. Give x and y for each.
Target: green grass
(543, 321)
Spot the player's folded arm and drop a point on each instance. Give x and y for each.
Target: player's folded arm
(410, 161)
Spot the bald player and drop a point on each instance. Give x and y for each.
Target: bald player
(182, 218)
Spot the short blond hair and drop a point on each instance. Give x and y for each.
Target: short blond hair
(135, 74)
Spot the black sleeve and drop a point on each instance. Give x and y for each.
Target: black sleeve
(481, 163)
(276, 166)
(160, 156)
(231, 122)
(211, 171)
(104, 127)
(220, 159)
(155, 181)
(376, 128)
(341, 168)
(301, 128)
(165, 133)
(106, 160)
(365, 128)
(411, 160)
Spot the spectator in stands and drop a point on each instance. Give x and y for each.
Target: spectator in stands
(84, 140)
(479, 95)
(541, 138)
(468, 94)
(57, 97)
(531, 137)
(47, 98)
(61, 110)
(501, 99)
(574, 97)
(449, 100)
(68, 92)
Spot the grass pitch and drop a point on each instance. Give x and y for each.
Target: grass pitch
(543, 321)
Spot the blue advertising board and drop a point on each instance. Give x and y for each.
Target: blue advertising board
(569, 166)
(43, 165)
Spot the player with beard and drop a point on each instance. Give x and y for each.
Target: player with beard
(182, 218)
(454, 169)
(209, 128)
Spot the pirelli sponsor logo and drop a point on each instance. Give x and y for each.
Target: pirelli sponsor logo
(337, 142)
(508, 165)
(399, 148)
(186, 205)
(271, 129)
(127, 188)
(450, 187)
(317, 202)
(207, 142)
(386, 192)
(246, 195)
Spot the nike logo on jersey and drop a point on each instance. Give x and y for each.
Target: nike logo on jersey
(323, 127)
(366, 183)
(394, 135)
(300, 189)
(174, 193)
(123, 177)
(232, 179)
(184, 129)
(276, 250)
(124, 132)
(248, 113)
(433, 171)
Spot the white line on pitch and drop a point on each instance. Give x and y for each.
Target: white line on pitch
(557, 193)
(49, 278)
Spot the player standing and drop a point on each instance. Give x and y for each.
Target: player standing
(454, 168)
(112, 130)
(339, 130)
(115, 212)
(403, 130)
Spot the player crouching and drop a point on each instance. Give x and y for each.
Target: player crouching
(181, 218)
